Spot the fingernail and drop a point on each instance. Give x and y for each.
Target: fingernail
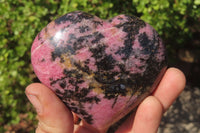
(35, 102)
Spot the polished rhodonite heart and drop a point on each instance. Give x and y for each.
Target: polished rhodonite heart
(101, 69)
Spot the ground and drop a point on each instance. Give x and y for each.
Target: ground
(183, 115)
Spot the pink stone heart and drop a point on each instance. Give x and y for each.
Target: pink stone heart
(100, 69)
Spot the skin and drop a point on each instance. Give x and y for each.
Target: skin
(145, 120)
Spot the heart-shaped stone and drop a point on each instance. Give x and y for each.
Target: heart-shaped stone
(100, 69)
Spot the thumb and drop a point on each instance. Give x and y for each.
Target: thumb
(53, 115)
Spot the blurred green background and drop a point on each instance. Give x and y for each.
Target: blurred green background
(177, 21)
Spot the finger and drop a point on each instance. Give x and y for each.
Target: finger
(127, 125)
(53, 115)
(177, 76)
(148, 116)
(84, 127)
(170, 87)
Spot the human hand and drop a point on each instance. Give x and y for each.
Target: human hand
(55, 117)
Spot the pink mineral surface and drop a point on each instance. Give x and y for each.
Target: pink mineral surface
(100, 69)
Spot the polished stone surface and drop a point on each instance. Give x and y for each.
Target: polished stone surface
(101, 69)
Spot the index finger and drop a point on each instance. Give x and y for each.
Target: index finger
(171, 85)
